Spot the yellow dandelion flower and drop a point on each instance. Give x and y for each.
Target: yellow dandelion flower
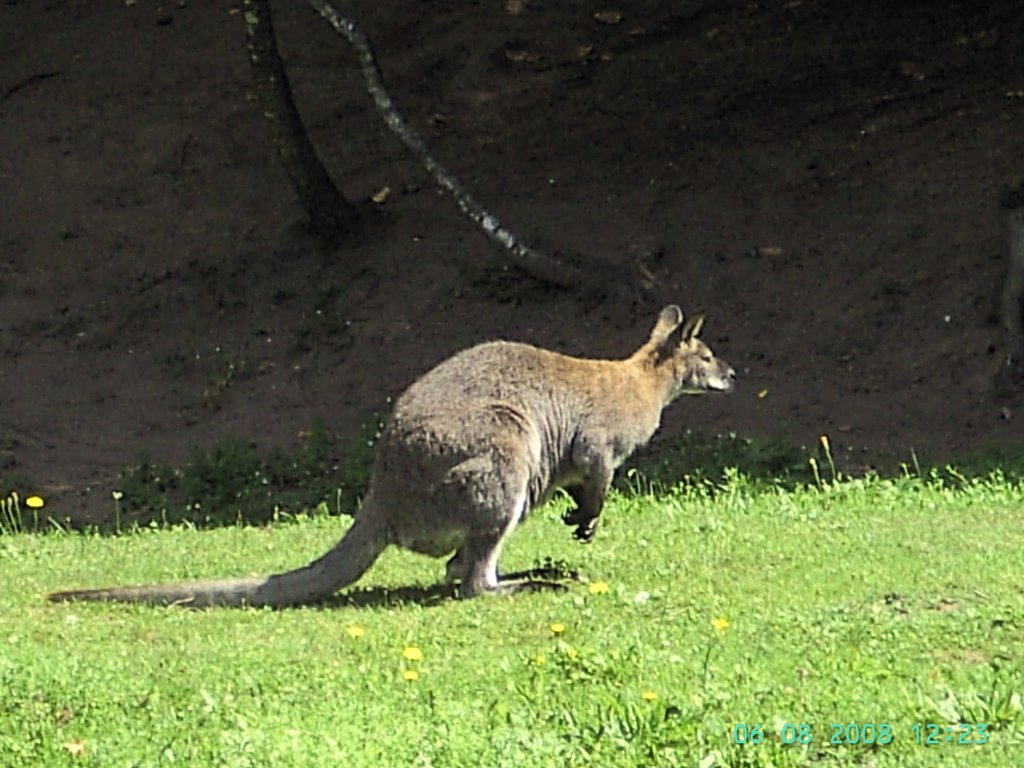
(35, 502)
(74, 747)
(539, 660)
(558, 628)
(412, 653)
(824, 443)
(355, 631)
(410, 675)
(598, 588)
(648, 696)
(720, 624)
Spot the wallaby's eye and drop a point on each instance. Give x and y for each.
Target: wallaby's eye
(705, 356)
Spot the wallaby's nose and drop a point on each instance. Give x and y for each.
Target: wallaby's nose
(730, 379)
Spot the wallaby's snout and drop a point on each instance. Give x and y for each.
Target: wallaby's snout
(727, 382)
(706, 373)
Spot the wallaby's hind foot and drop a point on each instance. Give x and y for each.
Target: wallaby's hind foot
(515, 586)
(509, 585)
(559, 573)
(531, 579)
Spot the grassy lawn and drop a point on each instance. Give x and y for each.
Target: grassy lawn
(713, 614)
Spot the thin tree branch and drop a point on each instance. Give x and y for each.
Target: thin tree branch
(541, 266)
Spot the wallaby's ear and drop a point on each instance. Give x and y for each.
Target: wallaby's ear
(670, 318)
(692, 328)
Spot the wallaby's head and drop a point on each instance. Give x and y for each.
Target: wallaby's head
(676, 348)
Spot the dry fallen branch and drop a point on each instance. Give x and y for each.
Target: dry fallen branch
(541, 266)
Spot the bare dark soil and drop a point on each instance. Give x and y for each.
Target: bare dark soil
(821, 177)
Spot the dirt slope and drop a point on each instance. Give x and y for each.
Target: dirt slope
(821, 178)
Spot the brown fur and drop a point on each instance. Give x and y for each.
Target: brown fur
(471, 447)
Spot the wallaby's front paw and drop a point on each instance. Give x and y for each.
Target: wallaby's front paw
(575, 517)
(585, 524)
(585, 531)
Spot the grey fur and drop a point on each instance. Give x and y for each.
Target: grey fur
(471, 447)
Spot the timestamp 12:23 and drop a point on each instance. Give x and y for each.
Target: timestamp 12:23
(881, 734)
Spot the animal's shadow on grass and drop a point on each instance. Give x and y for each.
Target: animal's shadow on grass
(532, 580)
(388, 597)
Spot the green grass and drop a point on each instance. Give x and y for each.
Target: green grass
(865, 601)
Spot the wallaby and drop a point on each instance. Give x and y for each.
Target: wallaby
(471, 447)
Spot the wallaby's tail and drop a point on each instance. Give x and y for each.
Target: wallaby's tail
(342, 565)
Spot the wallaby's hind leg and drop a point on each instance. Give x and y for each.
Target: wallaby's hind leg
(457, 571)
(484, 579)
(475, 564)
(479, 565)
